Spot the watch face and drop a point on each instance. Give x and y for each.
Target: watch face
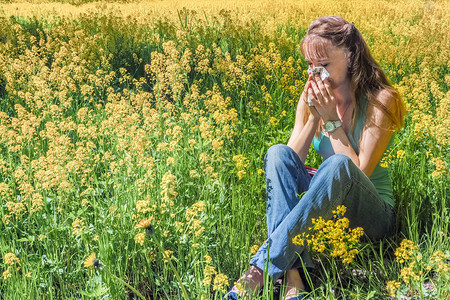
(328, 126)
(331, 126)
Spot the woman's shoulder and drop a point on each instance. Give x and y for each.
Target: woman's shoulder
(387, 97)
(386, 108)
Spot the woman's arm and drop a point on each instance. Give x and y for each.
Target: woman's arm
(376, 134)
(371, 148)
(302, 134)
(375, 137)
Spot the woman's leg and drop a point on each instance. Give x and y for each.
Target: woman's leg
(294, 284)
(286, 178)
(337, 182)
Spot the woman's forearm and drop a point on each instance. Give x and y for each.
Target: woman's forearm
(341, 145)
(301, 137)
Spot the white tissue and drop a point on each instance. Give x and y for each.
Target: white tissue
(323, 75)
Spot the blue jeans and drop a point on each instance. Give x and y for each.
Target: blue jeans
(338, 181)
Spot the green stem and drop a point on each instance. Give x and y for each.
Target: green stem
(124, 283)
(183, 290)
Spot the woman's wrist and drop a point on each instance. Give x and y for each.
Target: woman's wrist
(314, 119)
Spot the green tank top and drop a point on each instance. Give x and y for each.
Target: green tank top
(380, 176)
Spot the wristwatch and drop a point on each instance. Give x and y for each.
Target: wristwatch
(331, 126)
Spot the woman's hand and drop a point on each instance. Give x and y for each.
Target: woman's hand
(304, 129)
(304, 97)
(322, 96)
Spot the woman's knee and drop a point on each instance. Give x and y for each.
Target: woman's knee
(278, 150)
(337, 162)
(336, 166)
(277, 154)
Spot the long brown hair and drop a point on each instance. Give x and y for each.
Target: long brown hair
(366, 76)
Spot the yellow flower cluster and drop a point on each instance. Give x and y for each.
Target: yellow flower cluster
(441, 168)
(10, 259)
(208, 259)
(195, 210)
(144, 223)
(220, 281)
(254, 249)
(193, 219)
(333, 236)
(6, 274)
(167, 254)
(392, 286)
(439, 261)
(15, 208)
(421, 90)
(140, 238)
(409, 273)
(415, 267)
(406, 251)
(400, 155)
(168, 184)
(208, 273)
(194, 174)
(241, 165)
(78, 226)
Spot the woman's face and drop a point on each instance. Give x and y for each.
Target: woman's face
(334, 59)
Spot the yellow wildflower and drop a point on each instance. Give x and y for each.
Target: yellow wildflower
(140, 238)
(241, 174)
(220, 283)
(144, 223)
(11, 259)
(400, 155)
(333, 235)
(208, 259)
(440, 166)
(89, 261)
(392, 287)
(254, 249)
(208, 273)
(167, 255)
(406, 251)
(170, 161)
(193, 174)
(6, 274)
(78, 226)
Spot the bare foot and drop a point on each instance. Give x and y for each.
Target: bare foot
(295, 284)
(250, 283)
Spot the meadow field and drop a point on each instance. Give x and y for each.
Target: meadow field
(132, 139)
